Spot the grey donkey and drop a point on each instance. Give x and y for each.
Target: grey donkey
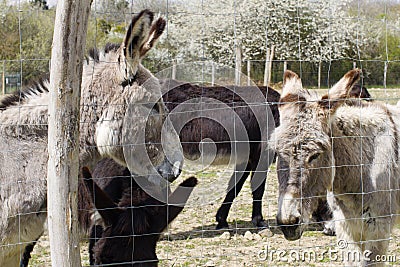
(348, 148)
(120, 103)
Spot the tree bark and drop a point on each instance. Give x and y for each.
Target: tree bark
(248, 72)
(238, 63)
(212, 73)
(267, 66)
(3, 79)
(173, 76)
(271, 57)
(63, 141)
(385, 74)
(319, 74)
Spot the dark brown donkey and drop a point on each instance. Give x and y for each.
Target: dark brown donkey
(134, 222)
(238, 121)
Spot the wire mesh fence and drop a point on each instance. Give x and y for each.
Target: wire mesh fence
(335, 167)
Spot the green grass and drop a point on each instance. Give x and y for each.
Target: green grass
(312, 234)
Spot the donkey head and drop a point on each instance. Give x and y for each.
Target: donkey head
(136, 120)
(303, 144)
(133, 227)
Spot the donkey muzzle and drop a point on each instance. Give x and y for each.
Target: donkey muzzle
(291, 230)
(169, 171)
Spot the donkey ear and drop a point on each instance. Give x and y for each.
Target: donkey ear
(155, 32)
(137, 34)
(341, 89)
(108, 210)
(292, 90)
(177, 200)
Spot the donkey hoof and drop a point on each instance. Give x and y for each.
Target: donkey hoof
(329, 228)
(329, 232)
(222, 225)
(262, 224)
(259, 222)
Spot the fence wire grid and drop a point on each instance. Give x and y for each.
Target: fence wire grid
(221, 65)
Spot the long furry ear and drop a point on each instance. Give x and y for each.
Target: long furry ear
(292, 91)
(137, 34)
(340, 91)
(156, 31)
(108, 210)
(177, 200)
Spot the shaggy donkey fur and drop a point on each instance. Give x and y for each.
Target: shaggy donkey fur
(346, 147)
(114, 180)
(133, 227)
(323, 213)
(108, 87)
(198, 128)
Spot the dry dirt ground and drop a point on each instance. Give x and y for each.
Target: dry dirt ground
(192, 240)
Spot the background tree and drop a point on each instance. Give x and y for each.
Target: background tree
(40, 3)
(304, 33)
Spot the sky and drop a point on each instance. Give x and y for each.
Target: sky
(51, 3)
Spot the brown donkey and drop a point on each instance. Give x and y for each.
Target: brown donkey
(134, 223)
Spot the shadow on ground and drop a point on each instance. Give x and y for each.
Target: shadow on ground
(238, 227)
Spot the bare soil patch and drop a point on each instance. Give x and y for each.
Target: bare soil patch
(192, 240)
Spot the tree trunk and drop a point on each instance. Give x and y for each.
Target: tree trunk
(173, 75)
(212, 73)
(248, 73)
(319, 74)
(63, 142)
(238, 63)
(385, 74)
(268, 65)
(3, 78)
(271, 57)
(265, 83)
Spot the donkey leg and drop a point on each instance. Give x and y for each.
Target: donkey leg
(323, 215)
(376, 252)
(235, 185)
(95, 234)
(27, 254)
(259, 164)
(348, 249)
(347, 232)
(377, 235)
(258, 179)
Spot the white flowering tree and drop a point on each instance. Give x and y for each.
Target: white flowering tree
(316, 31)
(308, 30)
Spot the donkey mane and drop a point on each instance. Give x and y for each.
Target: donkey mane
(17, 97)
(94, 52)
(41, 85)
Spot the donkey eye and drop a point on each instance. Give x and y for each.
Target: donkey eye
(313, 157)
